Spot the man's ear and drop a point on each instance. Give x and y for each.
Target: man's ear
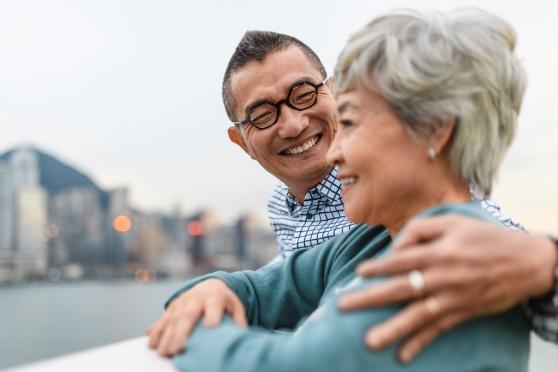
(236, 137)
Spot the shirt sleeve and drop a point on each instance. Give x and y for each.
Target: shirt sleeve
(278, 295)
(543, 312)
(494, 209)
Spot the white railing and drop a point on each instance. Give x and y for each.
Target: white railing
(130, 355)
(134, 355)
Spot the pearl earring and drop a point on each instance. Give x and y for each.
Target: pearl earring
(431, 153)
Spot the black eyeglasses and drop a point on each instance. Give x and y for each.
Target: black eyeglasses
(263, 114)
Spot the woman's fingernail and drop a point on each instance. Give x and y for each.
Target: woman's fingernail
(374, 340)
(405, 356)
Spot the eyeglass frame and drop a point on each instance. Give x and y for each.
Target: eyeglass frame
(278, 104)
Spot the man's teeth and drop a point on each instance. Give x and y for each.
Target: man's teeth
(348, 181)
(304, 147)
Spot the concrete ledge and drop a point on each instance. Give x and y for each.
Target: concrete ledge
(130, 355)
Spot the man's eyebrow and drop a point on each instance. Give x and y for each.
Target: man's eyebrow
(346, 106)
(304, 78)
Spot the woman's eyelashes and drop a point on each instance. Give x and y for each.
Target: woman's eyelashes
(345, 123)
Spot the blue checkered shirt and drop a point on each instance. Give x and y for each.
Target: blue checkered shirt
(321, 217)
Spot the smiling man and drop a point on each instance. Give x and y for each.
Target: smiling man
(276, 93)
(284, 116)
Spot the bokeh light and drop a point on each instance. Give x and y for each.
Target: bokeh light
(144, 275)
(52, 231)
(122, 223)
(195, 228)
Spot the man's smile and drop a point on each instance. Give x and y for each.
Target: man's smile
(303, 147)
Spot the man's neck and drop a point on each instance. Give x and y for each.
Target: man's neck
(300, 190)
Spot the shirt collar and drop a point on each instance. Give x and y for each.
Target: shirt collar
(328, 189)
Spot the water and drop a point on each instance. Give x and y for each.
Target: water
(42, 321)
(45, 320)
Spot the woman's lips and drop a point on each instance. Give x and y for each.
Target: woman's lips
(347, 183)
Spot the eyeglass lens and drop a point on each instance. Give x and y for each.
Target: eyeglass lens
(301, 97)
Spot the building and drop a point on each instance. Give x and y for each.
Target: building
(76, 232)
(23, 216)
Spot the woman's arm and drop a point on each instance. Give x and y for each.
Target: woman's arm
(333, 341)
(276, 296)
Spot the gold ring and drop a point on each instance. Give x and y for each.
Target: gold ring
(433, 306)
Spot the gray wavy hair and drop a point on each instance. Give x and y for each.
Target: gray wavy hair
(434, 68)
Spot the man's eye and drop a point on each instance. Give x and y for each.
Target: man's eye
(346, 123)
(262, 117)
(304, 97)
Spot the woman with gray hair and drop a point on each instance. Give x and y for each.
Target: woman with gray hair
(428, 107)
(458, 71)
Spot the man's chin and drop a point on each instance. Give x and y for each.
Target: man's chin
(307, 172)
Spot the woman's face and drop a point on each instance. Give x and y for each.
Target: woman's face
(381, 166)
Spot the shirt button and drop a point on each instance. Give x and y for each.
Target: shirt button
(309, 216)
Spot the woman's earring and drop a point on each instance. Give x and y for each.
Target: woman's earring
(431, 153)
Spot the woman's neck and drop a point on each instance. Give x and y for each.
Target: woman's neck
(458, 192)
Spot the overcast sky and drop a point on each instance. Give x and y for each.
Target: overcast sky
(129, 92)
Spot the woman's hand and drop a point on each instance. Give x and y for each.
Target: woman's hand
(465, 268)
(210, 299)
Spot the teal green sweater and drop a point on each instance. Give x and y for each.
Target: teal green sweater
(281, 295)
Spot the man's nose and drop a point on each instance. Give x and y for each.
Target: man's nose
(291, 122)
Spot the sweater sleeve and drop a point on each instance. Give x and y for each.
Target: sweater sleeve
(333, 341)
(280, 294)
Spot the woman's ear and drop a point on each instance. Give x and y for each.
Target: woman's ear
(442, 137)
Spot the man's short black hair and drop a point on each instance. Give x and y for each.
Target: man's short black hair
(255, 46)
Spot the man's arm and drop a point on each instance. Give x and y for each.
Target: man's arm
(471, 267)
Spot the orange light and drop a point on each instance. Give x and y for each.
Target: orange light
(122, 223)
(142, 276)
(195, 228)
(145, 275)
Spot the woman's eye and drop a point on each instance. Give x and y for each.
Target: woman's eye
(346, 123)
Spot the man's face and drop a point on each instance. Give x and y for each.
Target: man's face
(294, 149)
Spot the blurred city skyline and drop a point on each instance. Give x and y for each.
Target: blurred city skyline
(57, 224)
(129, 91)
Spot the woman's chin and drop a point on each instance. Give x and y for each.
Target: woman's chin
(354, 215)
(359, 214)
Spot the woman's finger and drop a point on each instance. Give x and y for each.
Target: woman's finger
(213, 312)
(178, 329)
(237, 311)
(155, 332)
